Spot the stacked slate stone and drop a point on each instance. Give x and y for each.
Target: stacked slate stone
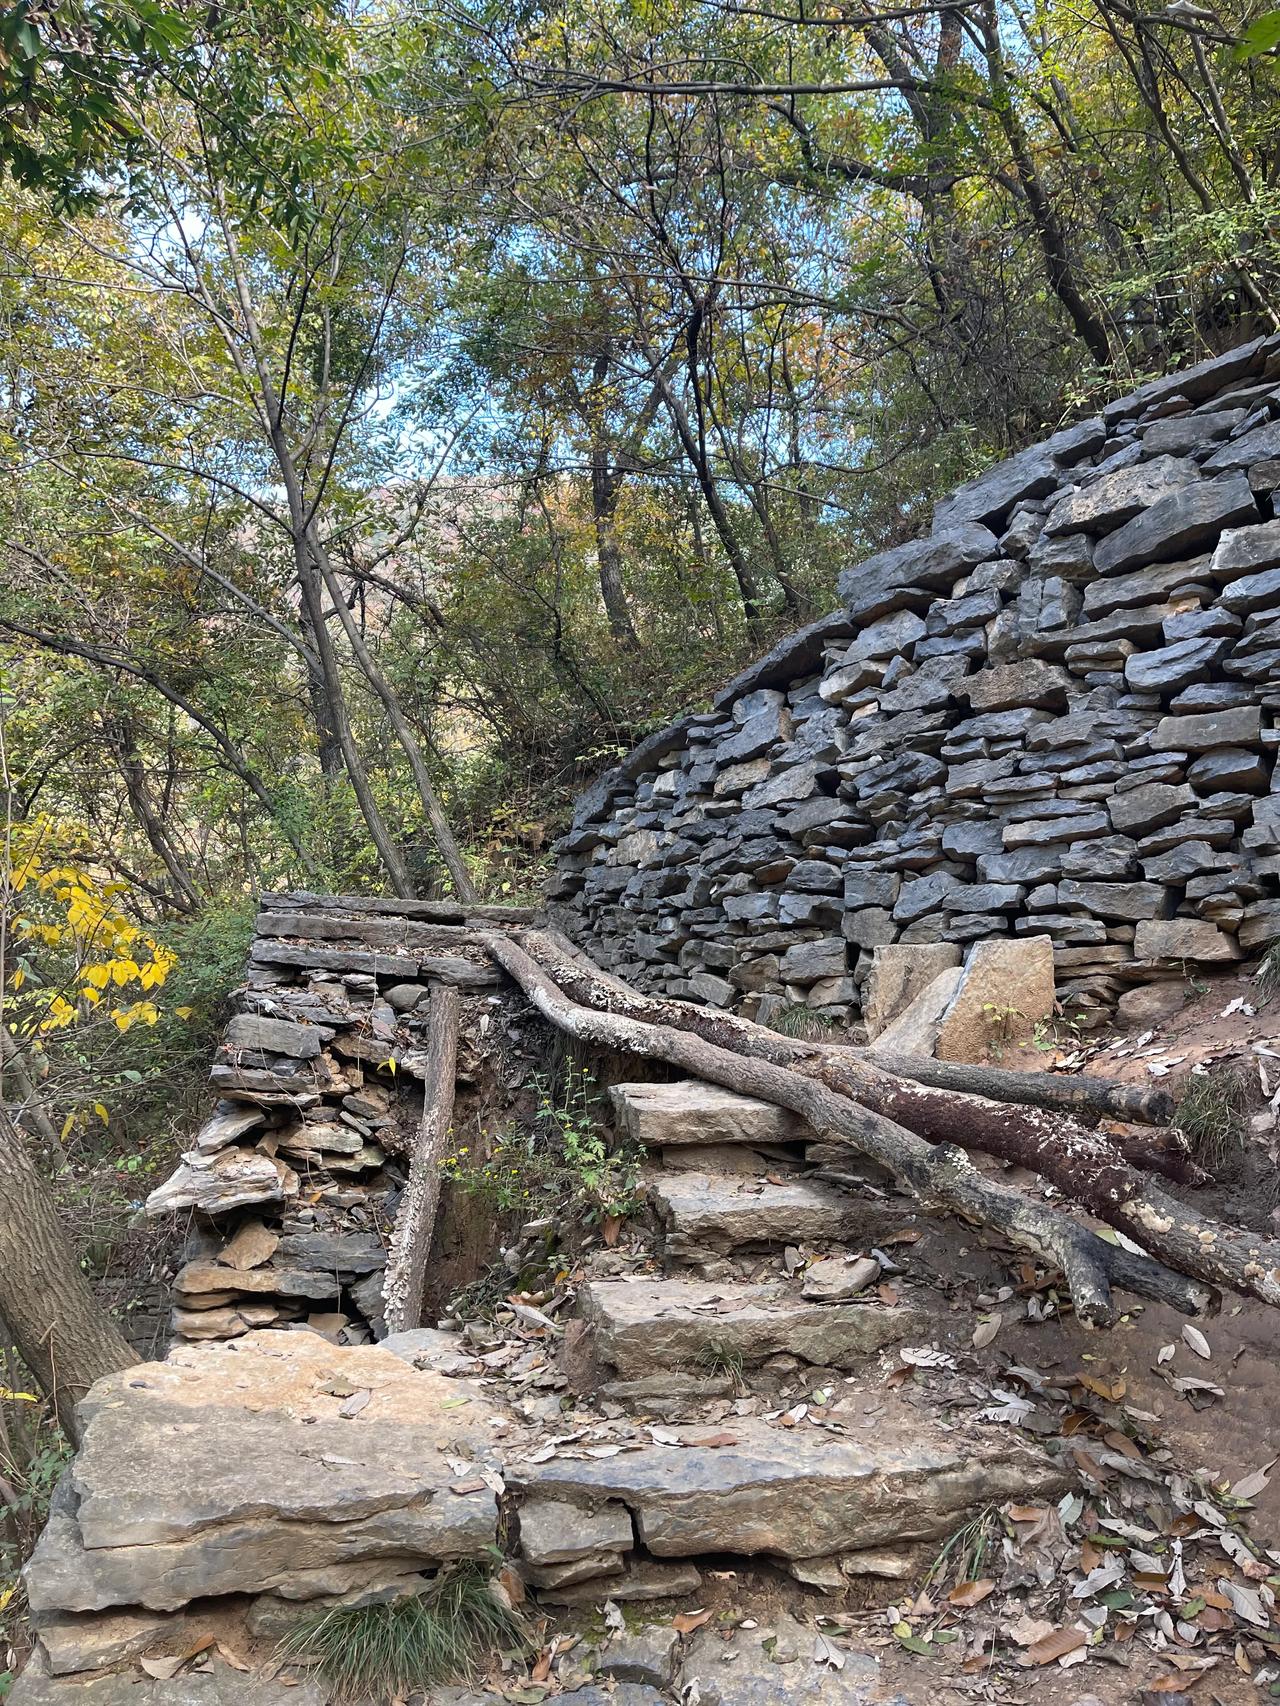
(1055, 715)
(291, 1184)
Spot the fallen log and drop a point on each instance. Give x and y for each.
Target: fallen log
(941, 1176)
(405, 1280)
(1074, 1157)
(1220, 1255)
(1088, 1097)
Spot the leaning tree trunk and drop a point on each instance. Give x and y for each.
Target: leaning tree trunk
(60, 1329)
(846, 1103)
(1067, 1152)
(941, 1176)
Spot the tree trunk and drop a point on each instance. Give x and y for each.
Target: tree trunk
(13, 1065)
(605, 487)
(62, 1333)
(941, 1177)
(1090, 1169)
(446, 841)
(406, 1274)
(124, 743)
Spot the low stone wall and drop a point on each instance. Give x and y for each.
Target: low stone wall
(1054, 715)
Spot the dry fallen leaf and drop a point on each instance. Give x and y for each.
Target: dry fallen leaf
(1195, 1340)
(685, 1622)
(1028, 1630)
(825, 1653)
(1055, 1646)
(986, 1331)
(162, 1669)
(1112, 1389)
(966, 1594)
(1252, 1485)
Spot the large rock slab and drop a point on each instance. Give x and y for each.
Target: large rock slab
(1005, 992)
(223, 1180)
(892, 579)
(219, 1686)
(1184, 939)
(799, 1492)
(915, 1030)
(280, 1463)
(900, 971)
(1118, 497)
(645, 1324)
(1181, 522)
(690, 1112)
(706, 1214)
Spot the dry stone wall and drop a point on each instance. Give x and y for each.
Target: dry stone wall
(1055, 715)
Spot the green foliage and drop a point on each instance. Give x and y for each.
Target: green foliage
(1261, 36)
(1267, 976)
(390, 1649)
(797, 1020)
(561, 1157)
(716, 1358)
(33, 1454)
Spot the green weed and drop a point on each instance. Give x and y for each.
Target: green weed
(804, 1024)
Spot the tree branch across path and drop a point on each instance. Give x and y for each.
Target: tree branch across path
(941, 1175)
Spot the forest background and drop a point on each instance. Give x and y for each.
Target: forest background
(405, 408)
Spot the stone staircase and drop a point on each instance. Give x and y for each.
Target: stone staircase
(766, 1296)
(725, 1413)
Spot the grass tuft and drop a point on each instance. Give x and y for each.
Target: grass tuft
(387, 1650)
(1211, 1117)
(718, 1358)
(964, 1554)
(804, 1024)
(1267, 976)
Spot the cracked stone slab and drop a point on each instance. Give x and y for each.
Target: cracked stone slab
(644, 1324)
(709, 1213)
(690, 1112)
(234, 1469)
(219, 1686)
(799, 1492)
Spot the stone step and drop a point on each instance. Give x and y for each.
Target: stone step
(640, 1325)
(705, 1215)
(798, 1492)
(662, 1116)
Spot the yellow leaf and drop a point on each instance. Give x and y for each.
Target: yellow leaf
(6, 1594)
(102, 1113)
(16, 1398)
(66, 1126)
(184, 1012)
(19, 978)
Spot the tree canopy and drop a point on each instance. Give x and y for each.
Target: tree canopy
(405, 408)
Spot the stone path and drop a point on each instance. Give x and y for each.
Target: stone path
(278, 1473)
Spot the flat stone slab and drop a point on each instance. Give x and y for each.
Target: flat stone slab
(799, 1492)
(644, 1324)
(745, 1671)
(277, 1463)
(218, 1686)
(708, 1213)
(690, 1112)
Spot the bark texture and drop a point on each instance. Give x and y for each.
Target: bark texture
(406, 1273)
(941, 1176)
(62, 1333)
